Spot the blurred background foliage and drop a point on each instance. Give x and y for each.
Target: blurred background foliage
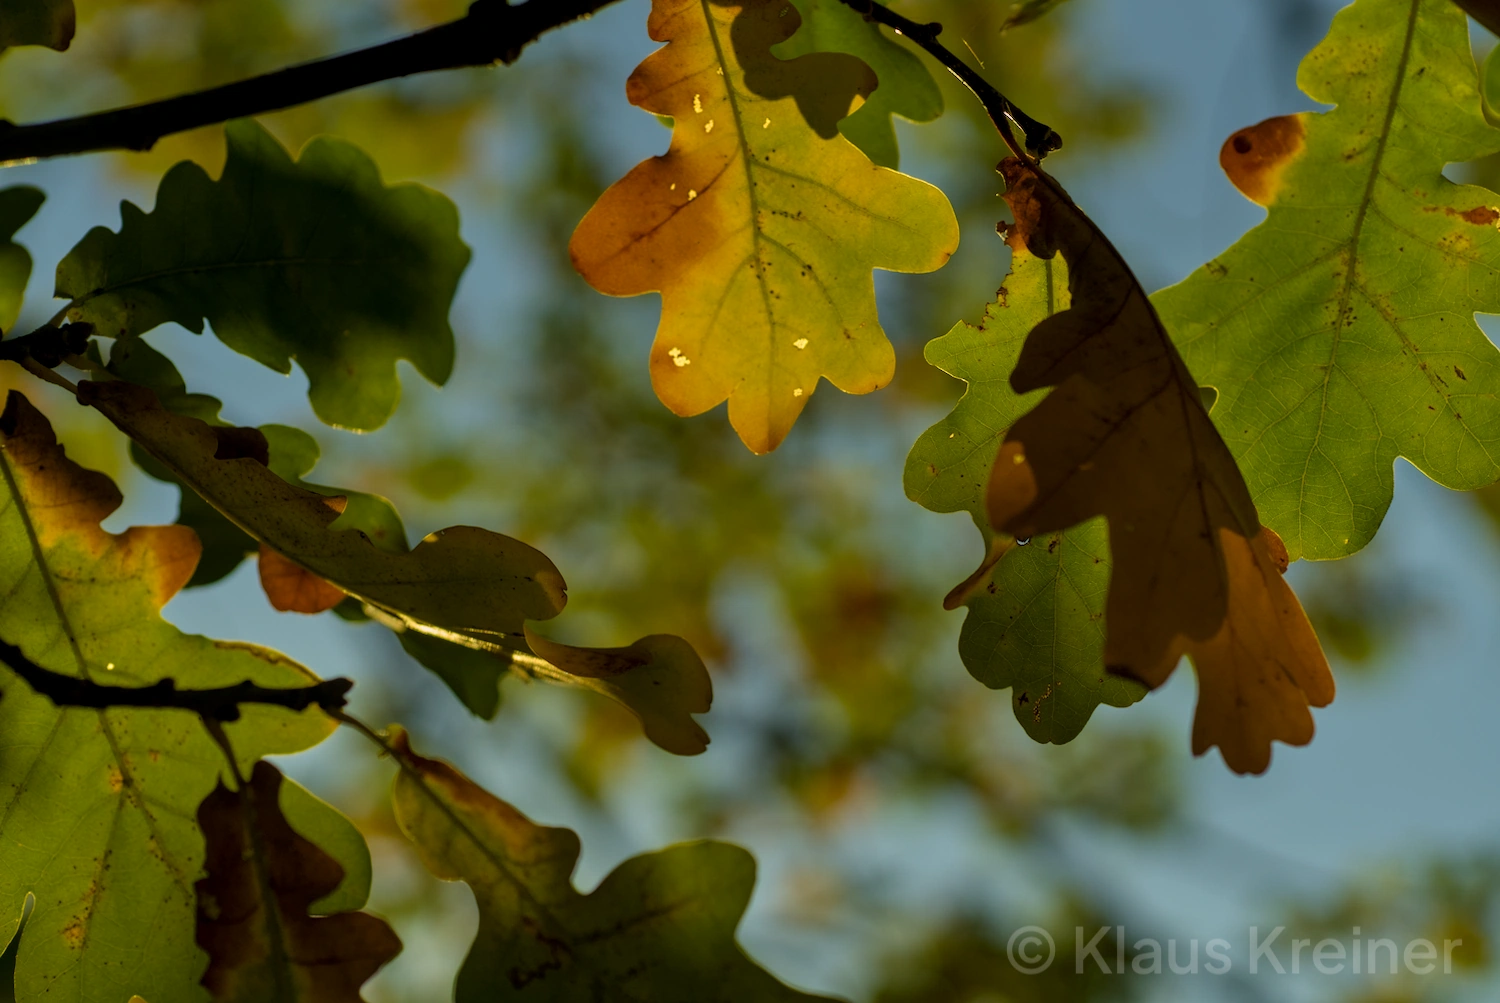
(904, 822)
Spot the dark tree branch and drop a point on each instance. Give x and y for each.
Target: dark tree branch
(48, 345)
(491, 32)
(222, 704)
(1040, 140)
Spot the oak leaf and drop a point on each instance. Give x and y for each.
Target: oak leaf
(1036, 611)
(96, 807)
(462, 585)
(254, 919)
(1340, 332)
(761, 224)
(1124, 434)
(313, 260)
(659, 927)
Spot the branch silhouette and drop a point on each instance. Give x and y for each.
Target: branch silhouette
(221, 704)
(1040, 139)
(492, 31)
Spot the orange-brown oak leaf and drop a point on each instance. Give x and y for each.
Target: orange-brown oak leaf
(253, 920)
(761, 225)
(1124, 434)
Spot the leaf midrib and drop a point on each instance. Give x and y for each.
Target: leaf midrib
(1351, 246)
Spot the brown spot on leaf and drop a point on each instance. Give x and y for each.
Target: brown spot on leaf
(1255, 157)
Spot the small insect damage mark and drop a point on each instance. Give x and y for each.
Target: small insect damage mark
(1256, 157)
(1459, 373)
(1480, 215)
(1024, 698)
(678, 359)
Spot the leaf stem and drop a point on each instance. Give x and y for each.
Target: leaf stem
(1040, 139)
(216, 731)
(220, 705)
(492, 31)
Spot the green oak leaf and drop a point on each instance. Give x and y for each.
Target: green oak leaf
(17, 206)
(97, 807)
(473, 676)
(905, 88)
(1036, 618)
(660, 927)
(37, 22)
(1340, 332)
(313, 260)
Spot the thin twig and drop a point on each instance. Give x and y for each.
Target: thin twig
(492, 31)
(1040, 139)
(221, 704)
(221, 739)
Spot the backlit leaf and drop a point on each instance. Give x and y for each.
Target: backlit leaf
(291, 454)
(96, 808)
(1036, 612)
(463, 585)
(905, 87)
(314, 260)
(1340, 332)
(253, 907)
(660, 927)
(461, 579)
(761, 225)
(1123, 434)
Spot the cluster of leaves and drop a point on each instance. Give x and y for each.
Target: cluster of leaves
(1123, 526)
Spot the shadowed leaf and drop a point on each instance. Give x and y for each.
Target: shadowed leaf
(37, 22)
(289, 452)
(314, 260)
(253, 919)
(1340, 332)
(1123, 434)
(659, 927)
(904, 86)
(1026, 11)
(96, 807)
(460, 579)
(1036, 612)
(17, 206)
(463, 585)
(761, 225)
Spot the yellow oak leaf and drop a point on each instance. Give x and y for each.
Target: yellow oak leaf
(761, 225)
